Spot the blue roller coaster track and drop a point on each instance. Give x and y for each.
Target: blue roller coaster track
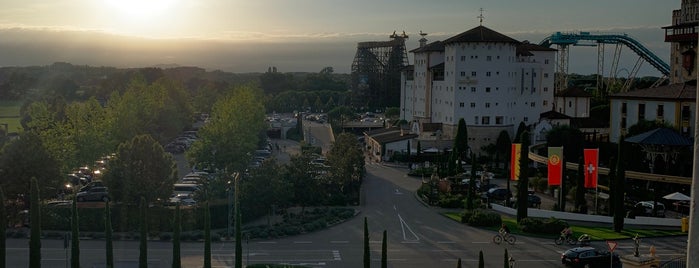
(564, 39)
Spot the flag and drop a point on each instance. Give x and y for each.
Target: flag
(555, 165)
(514, 161)
(591, 166)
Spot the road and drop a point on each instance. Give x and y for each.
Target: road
(418, 236)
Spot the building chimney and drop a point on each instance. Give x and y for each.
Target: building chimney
(423, 40)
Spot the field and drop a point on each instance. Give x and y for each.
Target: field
(9, 114)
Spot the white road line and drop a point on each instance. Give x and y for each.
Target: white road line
(478, 242)
(446, 242)
(404, 226)
(303, 242)
(266, 242)
(339, 242)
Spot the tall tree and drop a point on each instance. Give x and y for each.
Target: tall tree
(460, 148)
(346, 162)
(518, 135)
(26, 157)
(481, 262)
(109, 247)
(207, 235)
(367, 250)
(238, 224)
(471, 192)
(580, 202)
(504, 147)
(176, 230)
(3, 227)
(143, 237)
(458, 263)
(384, 251)
(523, 185)
(75, 235)
(619, 191)
(35, 225)
(141, 169)
(507, 260)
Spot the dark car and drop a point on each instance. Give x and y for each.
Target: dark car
(497, 194)
(589, 257)
(94, 194)
(533, 201)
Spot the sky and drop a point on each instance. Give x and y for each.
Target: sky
(300, 35)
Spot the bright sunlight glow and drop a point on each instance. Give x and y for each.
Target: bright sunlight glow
(140, 9)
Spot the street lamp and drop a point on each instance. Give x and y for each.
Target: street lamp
(512, 262)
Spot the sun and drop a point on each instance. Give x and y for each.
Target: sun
(140, 9)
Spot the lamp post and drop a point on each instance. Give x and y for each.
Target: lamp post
(228, 225)
(512, 262)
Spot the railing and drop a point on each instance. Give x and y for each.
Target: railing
(678, 262)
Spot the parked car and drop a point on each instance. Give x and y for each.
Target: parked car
(589, 257)
(497, 194)
(645, 208)
(533, 201)
(93, 194)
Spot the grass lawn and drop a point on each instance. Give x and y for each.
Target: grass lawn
(9, 114)
(595, 232)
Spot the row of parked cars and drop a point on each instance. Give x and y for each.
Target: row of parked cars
(181, 143)
(185, 189)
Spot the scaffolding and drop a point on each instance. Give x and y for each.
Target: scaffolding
(376, 72)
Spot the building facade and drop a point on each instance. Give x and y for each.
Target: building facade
(490, 80)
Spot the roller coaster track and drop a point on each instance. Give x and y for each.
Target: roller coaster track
(565, 39)
(605, 171)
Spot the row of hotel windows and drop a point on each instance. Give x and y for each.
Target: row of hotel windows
(485, 120)
(487, 104)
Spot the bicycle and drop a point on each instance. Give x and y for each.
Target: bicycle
(566, 239)
(500, 236)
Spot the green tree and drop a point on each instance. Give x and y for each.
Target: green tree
(238, 225)
(266, 187)
(318, 105)
(504, 147)
(619, 191)
(523, 185)
(580, 202)
(26, 157)
(141, 169)
(518, 135)
(143, 236)
(367, 250)
(35, 225)
(481, 262)
(176, 230)
(384, 251)
(207, 235)
(109, 247)
(507, 260)
(392, 112)
(3, 228)
(460, 148)
(471, 184)
(75, 235)
(458, 263)
(301, 174)
(346, 162)
(570, 138)
(231, 135)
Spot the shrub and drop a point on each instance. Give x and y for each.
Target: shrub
(484, 218)
(450, 201)
(466, 215)
(542, 226)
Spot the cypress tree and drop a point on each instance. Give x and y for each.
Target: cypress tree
(481, 262)
(207, 235)
(619, 189)
(176, 231)
(523, 185)
(3, 229)
(458, 263)
(471, 184)
(367, 254)
(108, 235)
(507, 260)
(580, 201)
(384, 251)
(143, 249)
(75, 235)
(35, 226)
(407, 158)
(238, 236)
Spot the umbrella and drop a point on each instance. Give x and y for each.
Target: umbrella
(677, 196)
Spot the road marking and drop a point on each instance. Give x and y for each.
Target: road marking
(410, 242)
(302, 242)
(336, 255)
(339, 242)
(398, 191)
(266, 242)
(446, 242)
(404, 226)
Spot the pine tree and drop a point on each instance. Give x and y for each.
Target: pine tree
(619, 190)
(580, 201)
(523, 185)
(471, 184)
(35, 226)
(367, 256)
(108, 235)
(507, 260)
(207, 235)
(238, 225)
(143, 249)
(176, 231)
(3, 228)
(458, 263)
(384, 251)
(75, 235)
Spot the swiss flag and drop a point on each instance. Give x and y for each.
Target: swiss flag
(591, 166)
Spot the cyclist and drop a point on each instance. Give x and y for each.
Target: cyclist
(504, 230)
(567, 232)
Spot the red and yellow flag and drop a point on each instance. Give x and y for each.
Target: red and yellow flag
(591, 166)
(514, 161)
(555, 165)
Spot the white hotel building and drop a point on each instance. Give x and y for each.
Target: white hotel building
(492, 81)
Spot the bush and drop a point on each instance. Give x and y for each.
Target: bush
(466, 215)
(542, 226)
(484, 218)
(450, 201)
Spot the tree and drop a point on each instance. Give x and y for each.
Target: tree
(143, 237)
(346, 162)
(3, 228)
(35, 228)
(570, 138)
(75, 235)
(458, 263)
(392, 112)
(620, 180)
(109, 247)
(518, 135)
(238, 225)
(232, 132)
(141, 169)
(384, 251)
(523, 185)
(367, 250)
(266, 187)
(460, 148)
(339, 115)
(504, 147)
(507, 260)
(176, 231)
(481, 262)
(26, 157)
(580, 202)
(207, 235)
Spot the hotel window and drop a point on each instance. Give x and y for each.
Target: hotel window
(487, 74)
(533, 104)
(485, 120)
(487, 89)
(546, 75)
(487, 105)
(463, 58)
(526, 119)
(546, 61)
(623, 108)
(473, 74)
(661, 111)
(546, 89)
(473, 89)
(488, 58)
(641, 111)
(499, 120)
(461, 104)
(463, 73)
(546, 103)
(473, 105)
(475, 121)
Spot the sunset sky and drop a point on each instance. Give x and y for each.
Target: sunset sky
(294, 35)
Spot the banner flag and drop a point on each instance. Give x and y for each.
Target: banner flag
(591, 166)
(555, 165)
(514, 161)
